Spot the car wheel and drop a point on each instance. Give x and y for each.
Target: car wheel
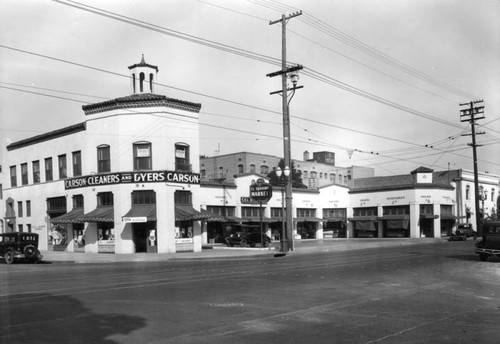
(483, 257)
(243, 243)
(30, 251)
(9, 257)
(252, 244)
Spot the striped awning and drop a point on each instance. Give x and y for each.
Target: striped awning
(429, 216)
(147, 211)
(363, 218)
(72, 217)
(307, 219)
(99, 214)
(257, 219)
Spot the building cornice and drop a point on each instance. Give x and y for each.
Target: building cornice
(48, 136)
(141, 101)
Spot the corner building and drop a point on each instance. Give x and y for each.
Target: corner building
(120, 182)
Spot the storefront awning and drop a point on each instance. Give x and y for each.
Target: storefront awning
(429, 216)
(393, 217)
(307, 219)
(363, 218)
(188, 213)
(211, 217)
(100, 214)
(72, 217)
(140, 213)
(257, 219)
(335, 219)
(448, 217)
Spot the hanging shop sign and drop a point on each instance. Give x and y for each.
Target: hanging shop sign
(132, 177)
(261, 191)
(139, 219)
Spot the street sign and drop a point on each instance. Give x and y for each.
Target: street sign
(261, 191)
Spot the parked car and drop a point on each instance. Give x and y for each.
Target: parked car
(254, 238)
(19, 246)
(489, 244)
(466, 229)
(457, 236)
(233, 239)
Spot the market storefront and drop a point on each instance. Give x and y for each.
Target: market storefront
(396, 221)
(365, 222)
(335, 223)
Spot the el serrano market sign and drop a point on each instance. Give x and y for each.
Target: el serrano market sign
(132, 177)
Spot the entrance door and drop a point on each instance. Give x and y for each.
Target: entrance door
(141, 234)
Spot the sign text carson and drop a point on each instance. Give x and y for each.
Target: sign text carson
(132, 177)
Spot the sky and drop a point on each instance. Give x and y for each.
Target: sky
(382, 80)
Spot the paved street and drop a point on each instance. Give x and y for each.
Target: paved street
(427, 293)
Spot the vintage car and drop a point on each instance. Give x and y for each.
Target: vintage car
(19, 246)
(245, 239)
(466, 229)
(488, 244)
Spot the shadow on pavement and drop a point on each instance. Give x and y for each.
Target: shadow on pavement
(46, 318)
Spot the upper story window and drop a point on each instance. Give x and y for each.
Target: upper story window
(252, 168)
(77, 201)
(264, 169)
(183, 197)
(493, 195)
(62, 166)
(56, 205)
(48, 170)
(142, 156)
(103, 159)
(305, 212)
(13, 176)
(396, 210)
(251, 211)
(20, 209)
(28, 208)
(426, 209)
(77, 164)
(240, 169)
(36, 172)
(141, 82)
(24, 174)
(467, 192)
(104, 199)
(368, 211)
(304, 174)
(332, 177)
(182, 157)
(144, 197)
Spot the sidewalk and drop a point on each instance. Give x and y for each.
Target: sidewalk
(222, 252)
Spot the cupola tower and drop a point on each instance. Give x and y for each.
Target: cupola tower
(143, 77)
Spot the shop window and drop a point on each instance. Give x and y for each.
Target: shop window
(142, 156)
(335, 213)
(104, 199)
(24, 174)
(20, 209)
(304, 212)
(467, 192)
(446, 210)
(48, 170)
(368, 211)
(251, 212)
(144, 197)
(36, 172)
(77, 164)
(62, 166)
(13, 176)
(77, 201)
(221, 210)
(103, 159)
(183, 197)
(56, 205)
(276, 212)
(182, 157)
(396, 210)
(28, 208)
(426, 209)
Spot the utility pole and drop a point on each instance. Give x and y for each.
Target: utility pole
(474, 112)
(285, 70)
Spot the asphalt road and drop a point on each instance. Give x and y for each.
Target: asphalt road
(437, 293)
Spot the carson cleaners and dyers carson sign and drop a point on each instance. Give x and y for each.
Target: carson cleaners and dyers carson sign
(132, 177)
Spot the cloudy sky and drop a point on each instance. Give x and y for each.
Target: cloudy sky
(383, 79)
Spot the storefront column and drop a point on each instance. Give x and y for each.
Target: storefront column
(165, 215)
(91, 240)
(70, 238)
(349, 231)
(124, 242)
(319, 227)
(414, 220)
(437, 222)
(380, 212)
